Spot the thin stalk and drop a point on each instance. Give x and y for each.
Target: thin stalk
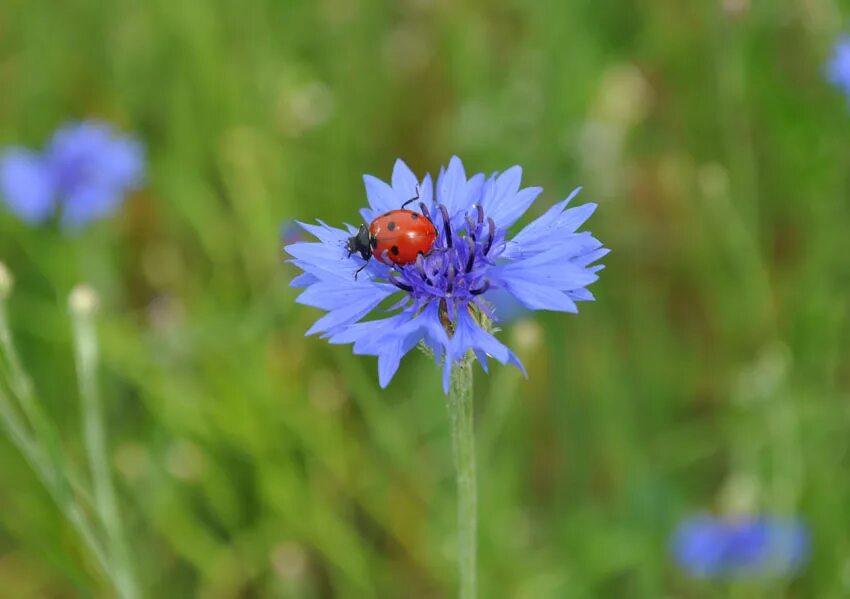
(22, 389)
(460, 406)
(41, 451)
(52, 481)
(83, 305)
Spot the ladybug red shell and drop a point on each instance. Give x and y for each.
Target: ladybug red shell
(395, 237)
(403, 234)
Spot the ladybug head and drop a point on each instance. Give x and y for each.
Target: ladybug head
(360, 243)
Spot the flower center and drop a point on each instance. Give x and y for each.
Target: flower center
(455, 270)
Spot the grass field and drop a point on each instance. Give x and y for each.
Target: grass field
(711, 374)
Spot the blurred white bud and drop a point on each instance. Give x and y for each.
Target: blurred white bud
(713, 180)
(407, 50)
(186, 461)
(132, 460)
(83, 300)
(305, 107)
(735, 8)
(764, 378)
(289, 561)
(600, 145)
(739, 495)
(527, 335)
(324, 391)
(624, 96)
(7, 281)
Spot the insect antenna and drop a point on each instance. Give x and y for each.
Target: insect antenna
(413, 199)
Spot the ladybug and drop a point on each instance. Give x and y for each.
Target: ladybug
(402, 234)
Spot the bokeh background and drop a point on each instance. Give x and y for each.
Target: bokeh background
(710, 375)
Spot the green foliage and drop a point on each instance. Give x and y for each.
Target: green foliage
(250, 461)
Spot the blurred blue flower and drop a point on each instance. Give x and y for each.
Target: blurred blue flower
(838, 66)
(442, 296)
(84, 174)
(710, 547)
(291, 232)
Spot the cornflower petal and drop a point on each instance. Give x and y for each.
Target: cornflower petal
(404, 188)
(345, 303)
(380, 195)
(503, 200)
(88, 203)
(404, 181)
(26, 185)
(556, 222)
(469, 335)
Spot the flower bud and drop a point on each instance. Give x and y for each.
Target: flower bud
(83, 300)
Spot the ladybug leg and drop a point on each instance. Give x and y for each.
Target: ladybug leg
(413, 199)
(357, 272)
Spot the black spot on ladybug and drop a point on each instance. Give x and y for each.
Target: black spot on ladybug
(390, 226)
(394, 250)
(414, 216)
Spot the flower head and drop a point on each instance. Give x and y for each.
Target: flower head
(710, 547)
(838, 66)
(84, 174)
(443, 296)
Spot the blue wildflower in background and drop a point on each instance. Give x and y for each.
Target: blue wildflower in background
(710, 547)
(442, 298)
(291, 232)
(838, 66)
(85, 173)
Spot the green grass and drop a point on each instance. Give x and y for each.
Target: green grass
(252, 461)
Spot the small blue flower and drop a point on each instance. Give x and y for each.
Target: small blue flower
(709, 547)
(291, 232)
(84, 174)
(443, 298)
(838, 66)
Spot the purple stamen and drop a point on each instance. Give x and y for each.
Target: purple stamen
(470, 226)
(424, 210)
(448, 223)
(400, 285)
(490, 234)
(483, 289)
(471, 260)
(420, 267)
(480, 210)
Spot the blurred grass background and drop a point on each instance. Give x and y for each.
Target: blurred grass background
(711, 373)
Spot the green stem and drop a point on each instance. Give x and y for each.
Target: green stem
(48, 471)
(460, 405)
(23, 390)
(86, 353)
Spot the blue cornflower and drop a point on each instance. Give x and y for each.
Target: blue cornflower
(443, 297)
(291, 232)
(710, 547)
(838, 66)
(84, 174)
